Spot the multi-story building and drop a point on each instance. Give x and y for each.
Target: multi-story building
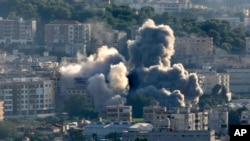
(17, 31)
(1, 110)
(218, 120)
(27, 96)
(119, 113)
(195, 51)
(150, 112)
(208, 78)
(67, 37)
(204, 135)
(177, 119)
(161, 6)
(239, 80)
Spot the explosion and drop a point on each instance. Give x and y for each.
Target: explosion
(148, 71)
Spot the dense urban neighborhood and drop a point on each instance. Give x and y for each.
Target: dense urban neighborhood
(123, 70)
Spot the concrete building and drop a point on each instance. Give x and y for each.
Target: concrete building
(150, 112)
(218, 120)
(205, 135)
(18, 31)
(239, 80)
(27, 96)
(67, 37)
(176, 119)
(162, 6)
(194, 51)
(1, 110)
(208, 78)
(119, 112)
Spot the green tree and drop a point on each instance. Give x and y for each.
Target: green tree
(113, 136)
(76, 106)
(76, 135)
(141, 139)
(234, 115)
(138, 101)
(7, 130)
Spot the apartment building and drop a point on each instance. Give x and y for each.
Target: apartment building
(18, 31)
(177, 119)
(239, 80)
(194, 50)
(67, 37)
(204, 135)
(150, 112)
(27, 95)
(218, 120)
(119, 113)
(162, 6)
(208, 78)
(1, 110)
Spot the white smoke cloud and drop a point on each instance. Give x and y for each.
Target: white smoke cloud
(118, 76)
(100, 91)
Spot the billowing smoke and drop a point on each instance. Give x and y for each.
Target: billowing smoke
(148, 71)
(105, 73)
(154, 46)
(151, 73)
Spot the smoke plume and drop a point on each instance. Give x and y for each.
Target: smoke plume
(151, 72)
(148, 71)
(154, 46)
(104, 72)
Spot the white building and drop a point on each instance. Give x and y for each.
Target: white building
(17, 31)
(27, 96)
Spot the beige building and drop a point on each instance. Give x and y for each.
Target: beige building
(17, 31)
(67, 37)
(239, 80)
(119, 113)
(195, 51)
(218, 120)
(27, 96)
(177, 119)
(1, 110)
(209, 78)
(150, 112)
